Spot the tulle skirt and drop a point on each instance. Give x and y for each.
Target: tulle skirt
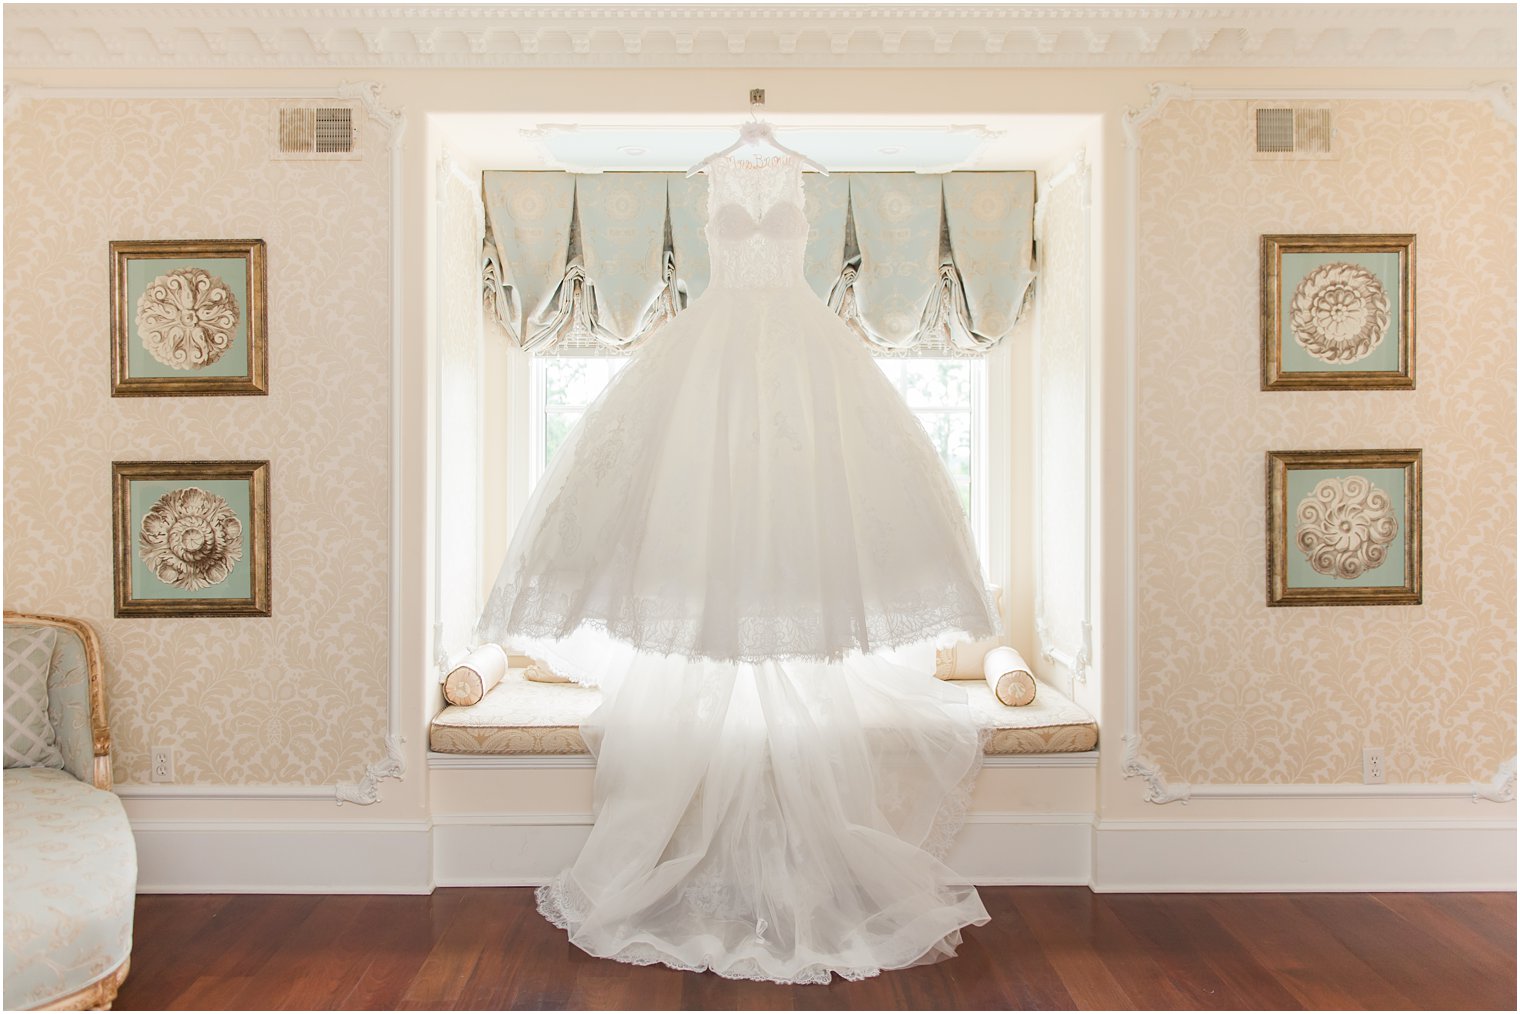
(749, 487)
(782, 821)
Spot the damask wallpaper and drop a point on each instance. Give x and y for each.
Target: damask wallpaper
(299, 697)
(1062, 453)
(1230, 690)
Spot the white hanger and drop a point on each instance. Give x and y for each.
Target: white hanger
(757, 132)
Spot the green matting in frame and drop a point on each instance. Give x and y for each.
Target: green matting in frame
(1344, 527)
(191, 538)
(1337, 312)
(189, 317)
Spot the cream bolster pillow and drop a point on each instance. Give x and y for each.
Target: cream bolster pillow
(963, 659)
(474, 677)
(1011, 680)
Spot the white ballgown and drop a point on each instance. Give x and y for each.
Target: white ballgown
(740, 523)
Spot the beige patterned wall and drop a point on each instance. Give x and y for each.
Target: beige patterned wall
(1229, 690)
(1062, 376)
(299, 697)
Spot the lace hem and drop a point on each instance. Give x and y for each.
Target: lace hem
(952, 813)
(758, 638)
(554, 905)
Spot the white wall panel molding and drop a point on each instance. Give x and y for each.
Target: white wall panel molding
(1134, 763)
(448, 647)
(1074, 656)
(526, 849)
(758, 35)
(283, 857)
(1322, 855)
(367, 94)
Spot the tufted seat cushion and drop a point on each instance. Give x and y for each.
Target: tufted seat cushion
(519, 716)
(70, 880)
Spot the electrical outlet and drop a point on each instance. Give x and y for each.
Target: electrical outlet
(1372, 765)
(163, 764)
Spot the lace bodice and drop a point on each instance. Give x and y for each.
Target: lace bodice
(756, 227)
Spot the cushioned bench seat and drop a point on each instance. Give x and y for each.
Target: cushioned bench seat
(70, 883)
(522, 717)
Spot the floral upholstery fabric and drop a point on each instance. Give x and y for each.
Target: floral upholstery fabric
(29, 737)
(70, 881)
(523, 717)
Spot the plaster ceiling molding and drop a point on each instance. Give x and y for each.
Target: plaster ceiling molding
(755, 35)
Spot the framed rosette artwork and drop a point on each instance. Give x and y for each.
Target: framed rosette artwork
(188, 317)
(191, 538)
(1337, 312)
(1343, 528)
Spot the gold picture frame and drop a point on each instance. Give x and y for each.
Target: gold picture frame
(191, 538)
(189, 318)
(1338, 312)
(1344, 528)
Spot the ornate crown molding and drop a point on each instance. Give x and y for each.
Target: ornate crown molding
(756, 35)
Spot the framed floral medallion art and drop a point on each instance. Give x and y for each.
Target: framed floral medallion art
(189, 317)
(1337, 312)
(1343, 528)
(191, 538)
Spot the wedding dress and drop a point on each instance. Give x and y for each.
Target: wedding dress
(738, 526)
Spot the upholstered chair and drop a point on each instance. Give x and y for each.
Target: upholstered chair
(70, 861)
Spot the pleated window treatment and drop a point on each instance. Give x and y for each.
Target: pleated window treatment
(915, 264)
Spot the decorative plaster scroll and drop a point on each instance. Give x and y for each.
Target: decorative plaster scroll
(367, 789)
(290, 36)
(367, 93)
(1501, 789)
(1500, 95)
(1157, 788)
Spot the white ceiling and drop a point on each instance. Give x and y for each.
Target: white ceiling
(602, 143)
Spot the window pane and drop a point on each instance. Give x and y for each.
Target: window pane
(937, 383)
(951, 434)
(557, 425)
(568, 386)
(573, 381)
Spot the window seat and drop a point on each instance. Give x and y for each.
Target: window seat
(521, 717)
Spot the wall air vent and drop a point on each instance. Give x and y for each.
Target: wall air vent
(1281, 131)
(315, 132)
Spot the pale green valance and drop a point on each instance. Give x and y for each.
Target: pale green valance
(915, 264)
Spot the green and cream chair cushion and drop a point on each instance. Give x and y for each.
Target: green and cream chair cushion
(29, 738)
(70, 860)
(70, 883)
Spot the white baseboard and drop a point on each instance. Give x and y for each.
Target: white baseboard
(283, 857)
(525, 850)
(1333, 855)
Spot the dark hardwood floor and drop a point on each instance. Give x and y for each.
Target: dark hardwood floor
(1046, 947)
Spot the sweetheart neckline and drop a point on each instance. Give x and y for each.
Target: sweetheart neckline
(751, 215)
